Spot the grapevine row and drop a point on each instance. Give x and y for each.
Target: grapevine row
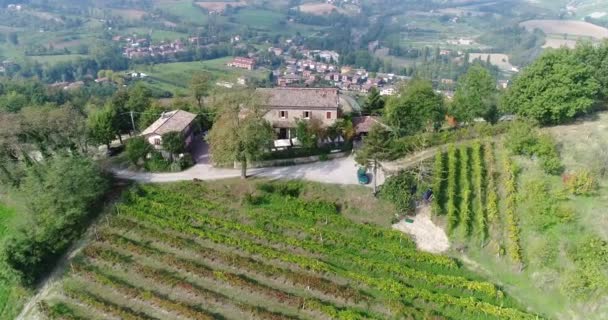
(438, 184)
(513, 247)
(478, 178)
(235, 280)
(430, 295)
(451, 210)
(323, 285)
(492, 194)
(465, 189)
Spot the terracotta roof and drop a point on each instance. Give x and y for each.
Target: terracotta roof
(177, 120)
(365, 124)
(301, 98)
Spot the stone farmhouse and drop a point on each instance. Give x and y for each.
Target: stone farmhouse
(174, 121)
(287, 106)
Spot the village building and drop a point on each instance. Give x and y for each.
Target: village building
(174, 121)
(242, 63)
(287, 106)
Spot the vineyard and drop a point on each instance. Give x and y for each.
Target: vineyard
(476, 207)
(205, 251)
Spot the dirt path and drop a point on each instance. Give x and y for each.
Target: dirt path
(428, 236)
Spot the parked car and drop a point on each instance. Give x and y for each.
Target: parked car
(362, 176)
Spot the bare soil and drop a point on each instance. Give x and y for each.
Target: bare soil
(428, 236)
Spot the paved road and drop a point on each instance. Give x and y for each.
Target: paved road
(338, 171)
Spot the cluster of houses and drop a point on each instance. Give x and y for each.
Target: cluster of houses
(136, 48)
(285, 107)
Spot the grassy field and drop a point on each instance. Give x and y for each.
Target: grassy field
(185, 10)
(263, 250)
(175, 77)
(11, 293)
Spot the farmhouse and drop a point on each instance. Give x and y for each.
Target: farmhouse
(242, 63)
(174, 121)
(286, 106)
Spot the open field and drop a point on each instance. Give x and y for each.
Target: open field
(568, 27)
(319, 8)
(558, 43)
(175, 77)
(220, 5)
(129, 14)
(259, 250)
(497, 59)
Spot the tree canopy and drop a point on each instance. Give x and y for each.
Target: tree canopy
(415, 108)
(240, 132)
(555, 88)
(475, 96)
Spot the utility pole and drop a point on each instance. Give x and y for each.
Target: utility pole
(132, 121)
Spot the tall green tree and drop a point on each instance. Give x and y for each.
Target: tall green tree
(200, 85)
(101, 126)
(240, 132)
(475, 96)
(375, 149)
(137, 149)
(415, 108)
(174, 143)
(554, 89)
(374, 104)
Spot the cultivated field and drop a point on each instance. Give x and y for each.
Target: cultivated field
(265, 251)
(319, 8)
(131, 14)
(220, 5)
(558, 43)
(568, 27)
(497, 59)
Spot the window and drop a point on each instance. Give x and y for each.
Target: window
(328, 115)
(306, 114)
(283, 114)
(157, 141)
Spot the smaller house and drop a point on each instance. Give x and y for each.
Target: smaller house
(363, 125)
(242, 63)
(174, 121)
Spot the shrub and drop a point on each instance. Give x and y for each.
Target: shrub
(525, 140)
(403, 146)
(137, 149)
(581, 183)
(400, 189)
(157, 163)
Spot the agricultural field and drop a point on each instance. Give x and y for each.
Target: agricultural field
(567, 27)
(320, 8)
(263, 250)
(220, 5)
(541, 236)
(175, 77)
(498, 59)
